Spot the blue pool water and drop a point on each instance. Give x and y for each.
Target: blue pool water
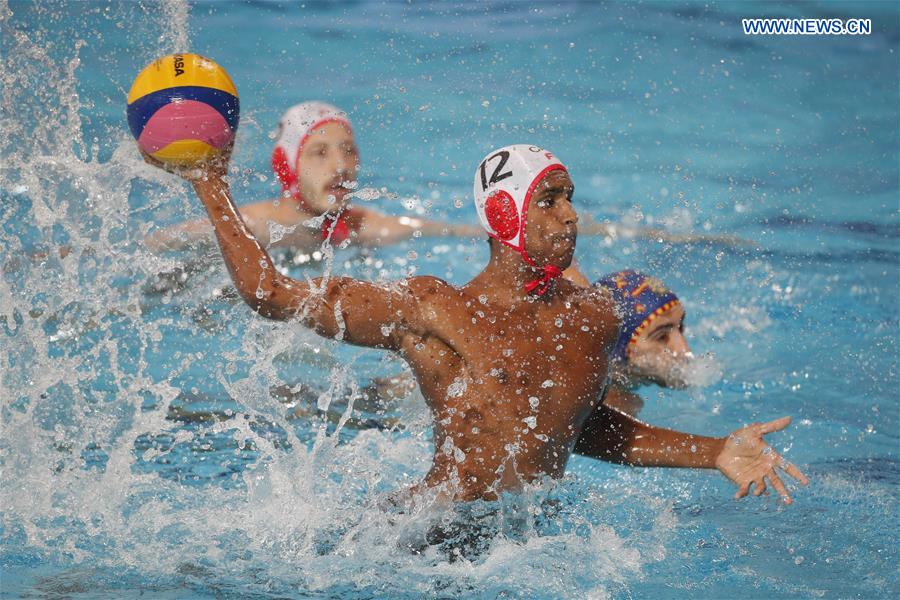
(144, 449)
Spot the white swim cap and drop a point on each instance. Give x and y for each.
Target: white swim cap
(294, 129)
(504, 183)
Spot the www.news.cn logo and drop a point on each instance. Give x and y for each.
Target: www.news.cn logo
(807, 26)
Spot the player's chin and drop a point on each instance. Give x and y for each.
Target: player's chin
(564, 259)
(336, 199)
(669, 376)
(562, 253)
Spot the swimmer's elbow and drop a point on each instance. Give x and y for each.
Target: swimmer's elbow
(270, 297)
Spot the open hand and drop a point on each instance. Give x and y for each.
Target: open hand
(749, 462)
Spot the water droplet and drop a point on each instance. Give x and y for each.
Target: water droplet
(457, 388)
(548, 383)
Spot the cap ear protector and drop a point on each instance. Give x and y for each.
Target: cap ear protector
(502, 215)
(504, 183)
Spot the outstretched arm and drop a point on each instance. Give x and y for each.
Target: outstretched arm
(616, 437)
(358, 312)
(743, 456)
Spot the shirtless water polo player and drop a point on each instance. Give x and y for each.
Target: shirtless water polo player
(512, 364)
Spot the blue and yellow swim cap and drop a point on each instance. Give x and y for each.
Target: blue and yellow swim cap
(641, 299)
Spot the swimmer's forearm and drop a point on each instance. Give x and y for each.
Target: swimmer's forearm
(354, 311)
(658, 447)
(616, 437)
(260, 285)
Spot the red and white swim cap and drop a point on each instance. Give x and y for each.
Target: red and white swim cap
(504, 183)
(294, 129)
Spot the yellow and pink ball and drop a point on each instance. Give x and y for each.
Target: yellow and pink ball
(183, 109)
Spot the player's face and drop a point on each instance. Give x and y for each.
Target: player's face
(660, 351)
(551, 223)
(327, 167)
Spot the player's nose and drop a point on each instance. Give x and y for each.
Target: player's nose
(569, 215)
(678, 344)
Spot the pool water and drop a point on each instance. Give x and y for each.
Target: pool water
(149, 444)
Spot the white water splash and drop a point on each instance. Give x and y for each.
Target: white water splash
(698, 371)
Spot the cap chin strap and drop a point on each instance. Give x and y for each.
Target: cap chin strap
(542, 284)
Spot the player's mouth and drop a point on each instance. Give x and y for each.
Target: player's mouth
(564, 239)
(340, 188)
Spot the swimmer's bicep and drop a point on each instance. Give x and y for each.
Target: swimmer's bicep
(412, 311)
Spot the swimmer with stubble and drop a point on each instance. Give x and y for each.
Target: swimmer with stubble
(512, 365)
